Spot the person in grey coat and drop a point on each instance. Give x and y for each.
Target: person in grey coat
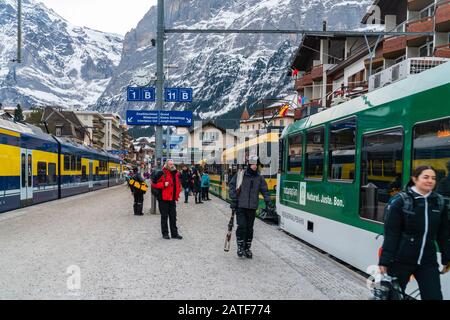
(245, 187)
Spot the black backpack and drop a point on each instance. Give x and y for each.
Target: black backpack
(155, 176)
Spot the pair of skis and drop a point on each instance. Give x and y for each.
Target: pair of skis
(229, 233)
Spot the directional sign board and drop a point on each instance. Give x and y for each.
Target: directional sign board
(142, 118)
(175, 118)
(159, 118)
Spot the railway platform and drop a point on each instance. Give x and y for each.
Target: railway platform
(91, 246)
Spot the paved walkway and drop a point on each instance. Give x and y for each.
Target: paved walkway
(121, 256)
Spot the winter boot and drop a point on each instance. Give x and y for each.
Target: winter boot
(248, 253)
(241, 249)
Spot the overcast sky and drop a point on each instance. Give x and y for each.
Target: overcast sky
(104, 15)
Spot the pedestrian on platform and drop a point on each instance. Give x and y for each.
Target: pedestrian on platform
(186, 177)
(138, 193)
(197, 185)
(245, 187)
(205, 184)
(415, 220)
(169, 183)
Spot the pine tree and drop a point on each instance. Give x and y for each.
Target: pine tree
(18, 115)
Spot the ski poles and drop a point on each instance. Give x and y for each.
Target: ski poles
(229, 233)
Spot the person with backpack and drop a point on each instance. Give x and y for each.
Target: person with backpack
(138, 188)
(186, 177)
(169, 185)
(205, 184)
(415, 221)
(245, 187)
(197, 186)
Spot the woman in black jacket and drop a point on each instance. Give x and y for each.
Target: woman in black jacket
(197, 185)
(415, 221)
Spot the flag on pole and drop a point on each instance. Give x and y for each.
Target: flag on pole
(284, 109)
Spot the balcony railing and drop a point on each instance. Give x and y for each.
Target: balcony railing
(394, 47)
(317, 72)
(305, 80)
(443, 16)
(417, 5)
(421, 25)
(442, 51)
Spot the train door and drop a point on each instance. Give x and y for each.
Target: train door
(26, 177)
(91, 174)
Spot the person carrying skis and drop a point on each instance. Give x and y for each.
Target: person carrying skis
(245, 187)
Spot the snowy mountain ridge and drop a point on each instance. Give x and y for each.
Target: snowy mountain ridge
(62, 64)
(226, 71)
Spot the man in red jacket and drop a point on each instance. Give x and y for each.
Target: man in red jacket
(170, 185)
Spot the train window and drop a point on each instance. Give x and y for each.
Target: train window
(42, 172)
(83, 174)
(380, 150)
(342, 150)
(295, 153)
(24, 179)
(30, 171)
(73, 166)
(431, 147)
(52, 173)
(78, 164)
(315, 153)
(66, 162)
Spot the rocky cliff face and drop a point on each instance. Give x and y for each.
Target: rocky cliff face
(229, 71)
(63, 65)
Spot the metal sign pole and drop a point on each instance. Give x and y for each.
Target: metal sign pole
(159, 89)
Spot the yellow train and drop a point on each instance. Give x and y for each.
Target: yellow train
(36, 167)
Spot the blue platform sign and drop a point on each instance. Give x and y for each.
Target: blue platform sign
(171, 95)
(178, 94)
(148, 94)
(186, 94)
(159, 118)
(133, 94)
(145, 94)
(118, 152)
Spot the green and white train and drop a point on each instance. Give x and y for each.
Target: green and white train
(341, 166)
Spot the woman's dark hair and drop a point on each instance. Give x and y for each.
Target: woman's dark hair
(417, 172)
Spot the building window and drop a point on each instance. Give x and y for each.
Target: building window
(426, 50)
(281, 123)
(342, 150)
(58, 131)
(398, 60)
(427, 12)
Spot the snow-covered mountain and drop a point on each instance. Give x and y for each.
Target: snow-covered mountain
(230, 71)
(63, 65)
